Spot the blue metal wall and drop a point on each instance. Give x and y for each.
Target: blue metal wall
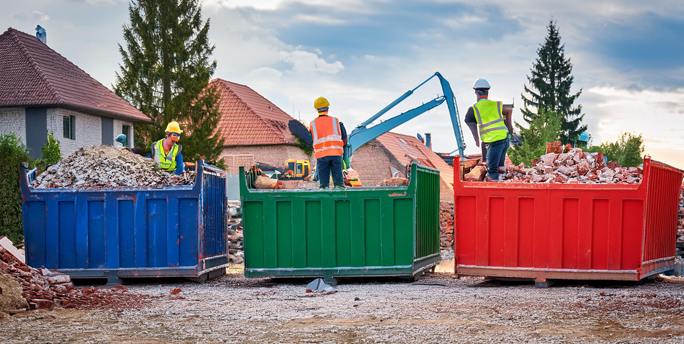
(126, 229)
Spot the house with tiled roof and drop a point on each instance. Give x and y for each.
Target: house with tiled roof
(41, 91)
(251, 124)
(390, 154)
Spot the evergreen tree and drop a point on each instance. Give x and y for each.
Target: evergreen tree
(550, 83)
(546, 127)
(165, 73)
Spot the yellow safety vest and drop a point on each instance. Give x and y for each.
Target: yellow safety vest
(490, 120)
(166, 161)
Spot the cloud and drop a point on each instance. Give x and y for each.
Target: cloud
(657, 115)
(35, 16)
(97, 2)
(306, 62)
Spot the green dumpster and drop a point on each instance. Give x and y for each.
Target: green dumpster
(357, 232)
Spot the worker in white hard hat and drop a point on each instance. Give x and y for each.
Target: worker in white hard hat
(167, 152)
(490, 122)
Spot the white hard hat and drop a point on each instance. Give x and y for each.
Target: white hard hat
(481, 83)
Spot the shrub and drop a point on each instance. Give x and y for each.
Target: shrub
(12, 154)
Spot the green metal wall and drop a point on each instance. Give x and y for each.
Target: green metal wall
(383, 231)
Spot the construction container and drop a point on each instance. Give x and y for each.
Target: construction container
(568, 231)
(357, 232)
(127, 233)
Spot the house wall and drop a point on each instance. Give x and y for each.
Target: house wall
(275, 155)
(372, 162)
(88, 129)
(118, 125)
(13, 121)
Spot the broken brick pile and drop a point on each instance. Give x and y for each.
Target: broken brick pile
(100, 167)
(44, 289)
(573, 167)
(235, 243)
(446, 225)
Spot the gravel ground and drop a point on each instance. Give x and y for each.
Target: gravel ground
(437, 308)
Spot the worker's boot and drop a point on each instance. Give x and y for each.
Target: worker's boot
(340, 187)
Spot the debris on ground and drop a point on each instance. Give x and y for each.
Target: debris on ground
(100, 167)
(319, 286)
(10, 297)
(446, 224)
(45, 289)
(8, 245)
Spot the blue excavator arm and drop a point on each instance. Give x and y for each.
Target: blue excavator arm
(362, 134)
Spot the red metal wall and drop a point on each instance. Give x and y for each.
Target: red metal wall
(575, 231)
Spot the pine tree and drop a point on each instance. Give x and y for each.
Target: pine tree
(550, 83)
(165, 73)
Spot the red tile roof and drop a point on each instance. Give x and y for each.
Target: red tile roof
(247, 118)
(408, 148)
(32, 74)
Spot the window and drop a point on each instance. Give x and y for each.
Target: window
(69, 127)
(125, 129)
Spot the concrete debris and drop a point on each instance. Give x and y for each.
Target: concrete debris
(263, 182)
(8, 245)
(396, 181)
(476, 174)
(446, 225)
(45, 289)
(572, 167)
(106, 167)
(318, 285)
(235, 244)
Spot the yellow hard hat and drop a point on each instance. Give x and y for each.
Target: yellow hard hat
(321, 103)
(173, 127)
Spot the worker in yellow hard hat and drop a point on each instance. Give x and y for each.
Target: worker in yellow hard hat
(329, 139)
(167, 152)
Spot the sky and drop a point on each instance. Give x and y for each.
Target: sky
(627, 56)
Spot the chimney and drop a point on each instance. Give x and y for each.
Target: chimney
(428, 140)
(420, 138)
(40, 33)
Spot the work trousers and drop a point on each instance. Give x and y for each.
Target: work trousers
(327, 165)
(496, 157)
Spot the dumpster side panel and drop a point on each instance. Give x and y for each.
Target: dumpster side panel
(608, 231)
(661, 217)
(356, 232)
(92, 233)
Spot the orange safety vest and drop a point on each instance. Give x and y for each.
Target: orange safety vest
(327, 137)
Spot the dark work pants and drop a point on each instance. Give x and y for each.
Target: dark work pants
(327, 165)
(496, 157)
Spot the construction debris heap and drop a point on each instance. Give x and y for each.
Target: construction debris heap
(572, 167)
(100, 167)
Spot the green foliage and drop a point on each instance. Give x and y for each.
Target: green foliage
(12, 154)
(50, 154)
(628, 150)
(544, 128)
(550, 85)
(305, 147)
(165, 73)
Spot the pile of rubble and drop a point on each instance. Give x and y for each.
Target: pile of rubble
(236, 254)
(446, 225)
(571, 167)
(99, 167)
(44, 289)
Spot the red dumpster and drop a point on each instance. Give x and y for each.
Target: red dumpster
(567, 231)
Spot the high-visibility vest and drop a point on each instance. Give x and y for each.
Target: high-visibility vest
(490, 120)
(327, 137)
(166, 161)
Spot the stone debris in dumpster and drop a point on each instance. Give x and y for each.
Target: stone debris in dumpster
(103, 167)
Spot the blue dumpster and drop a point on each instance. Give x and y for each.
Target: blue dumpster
(129, 233)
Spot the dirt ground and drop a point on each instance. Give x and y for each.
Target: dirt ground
(435, 309)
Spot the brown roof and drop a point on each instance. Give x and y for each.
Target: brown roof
(32, 74)
(247, 118)
(408, 148)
